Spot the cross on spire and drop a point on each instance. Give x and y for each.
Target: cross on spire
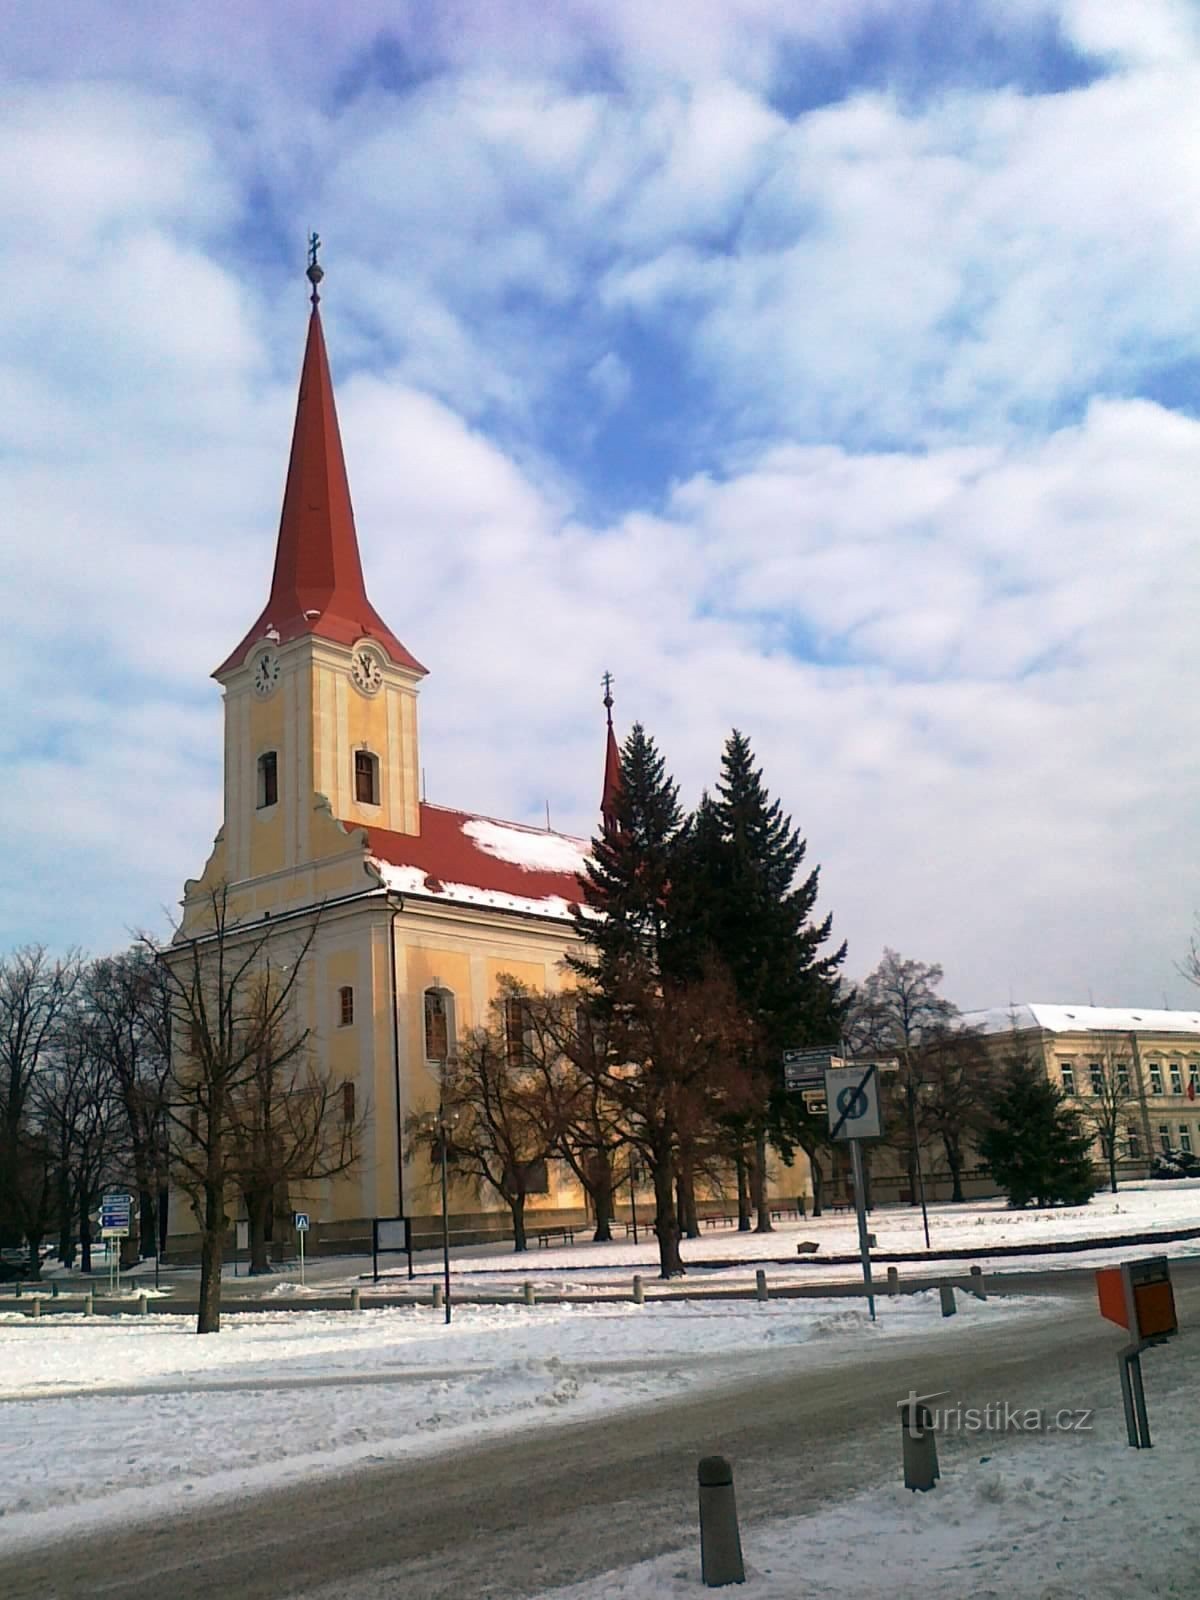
(612, 764)
(314, 272)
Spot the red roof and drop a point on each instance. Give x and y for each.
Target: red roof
(444, 856)
(317, 587)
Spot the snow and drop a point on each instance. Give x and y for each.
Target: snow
(113, 1418)
(1082, 1019)
(1051, 1516)
(532, 849)
(411, 880)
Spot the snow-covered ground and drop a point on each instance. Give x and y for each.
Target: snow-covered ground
(108, 1419)
(1048, 1517)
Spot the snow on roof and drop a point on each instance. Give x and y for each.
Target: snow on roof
(483, 862)
(1082, 1019)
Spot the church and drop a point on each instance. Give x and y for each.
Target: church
(419, 909)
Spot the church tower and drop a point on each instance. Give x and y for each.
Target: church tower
(320, 695)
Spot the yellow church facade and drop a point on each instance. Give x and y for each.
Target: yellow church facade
(418, 910)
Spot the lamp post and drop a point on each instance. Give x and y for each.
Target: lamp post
(444, 1123)
(633, 1178)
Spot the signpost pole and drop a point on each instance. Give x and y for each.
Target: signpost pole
(860, 1207)
(303, 1231)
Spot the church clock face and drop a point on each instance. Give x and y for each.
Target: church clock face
(365, 671)
(266, 673)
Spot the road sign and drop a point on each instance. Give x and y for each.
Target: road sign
(806, 1069)
(301, 1221)
(115, 1212)
(814, 1102)
(852, 1094)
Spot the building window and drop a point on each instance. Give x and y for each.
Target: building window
(516, 1026)
(1193, 1080)
(1164, 1138)
(1176, 1078)
(1133, 1145)
(366, 778)
(1185, 1138)
(268, 779)
(1067, 1069)
(1097, 1076)
(345, 1006)
(348, 1100)
(438, 1032)
(1123, 1077)
(1156, 1078)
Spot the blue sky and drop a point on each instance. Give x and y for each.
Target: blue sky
(827, 370)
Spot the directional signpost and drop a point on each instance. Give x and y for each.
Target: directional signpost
(300, 1223)
(115, 1212)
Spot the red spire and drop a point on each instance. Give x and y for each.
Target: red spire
(317, 587)
(612, 766)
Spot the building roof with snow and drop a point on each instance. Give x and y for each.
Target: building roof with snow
(1081, 1019)
(479, 861)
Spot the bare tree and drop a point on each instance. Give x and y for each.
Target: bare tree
(35, 993)
(1106, 1095)
(222, 1028)
(491, 1096)
(79, 1111)
(956, 1077)
(289, 1122)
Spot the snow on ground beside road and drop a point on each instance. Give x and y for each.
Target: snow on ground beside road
(277, 1396)
(1036, 1517)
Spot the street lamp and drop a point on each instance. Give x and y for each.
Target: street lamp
(633, 1178)
(445, 1121)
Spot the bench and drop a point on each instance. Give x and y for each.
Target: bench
(548, 1236)
(719, 1220)
(779, 1213)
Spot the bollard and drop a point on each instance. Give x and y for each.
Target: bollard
(893, 1281)
(946, 1290)
(919, 1448)
(143, 1305)
(639, 1293)
(35, 1307)
(356, 1299)
(17, 1288)
(54, 1291)
(527, 1291)
(437, 1296)
(720, 1542)
(88, 1305)
(760, 1284)
(978, 1286)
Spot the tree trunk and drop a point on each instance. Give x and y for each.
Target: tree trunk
(85, 1236)
(600, 1187)
(161, 1222)
(759, 1180)
(212, 1250)
(66, 1234)
(146, 1220)
(258, 1209)
(743, 1189)
(670, 1262)
(954, 1162)
(517, 1206)
(689, 1222)
(1112, 1164)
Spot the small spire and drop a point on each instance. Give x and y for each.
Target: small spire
(612, 765)
(315, 272)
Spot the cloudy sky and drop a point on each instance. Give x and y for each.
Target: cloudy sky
(830, 370)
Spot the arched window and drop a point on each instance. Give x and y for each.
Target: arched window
(439, 1024)
(268, 779)
(345, 1006)
(366, 778)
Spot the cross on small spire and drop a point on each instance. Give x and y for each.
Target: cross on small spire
(607, 681)
(315, 272)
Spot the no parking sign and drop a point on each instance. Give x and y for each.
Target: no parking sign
(852, 1098)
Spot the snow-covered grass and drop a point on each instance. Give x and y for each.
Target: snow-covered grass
(115, 1418)
(1045, 1517)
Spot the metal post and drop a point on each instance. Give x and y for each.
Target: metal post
(639, 1292)
(633, 1198)
(912, 1106)
(760, 1284)
(528, 1293)
(864, 1248)
(445, 1208)
(303, 1231)
(720, 1542)
(893, 1280)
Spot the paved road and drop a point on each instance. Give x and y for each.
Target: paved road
(507, 1518)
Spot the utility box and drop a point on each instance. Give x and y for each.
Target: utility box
(1138, 1296)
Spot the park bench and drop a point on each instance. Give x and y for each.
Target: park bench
(549, 1236)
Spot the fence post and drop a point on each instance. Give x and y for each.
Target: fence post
(720, 1541)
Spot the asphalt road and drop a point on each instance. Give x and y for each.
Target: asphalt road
(507, 1518)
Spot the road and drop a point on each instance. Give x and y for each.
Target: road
(510, 1517)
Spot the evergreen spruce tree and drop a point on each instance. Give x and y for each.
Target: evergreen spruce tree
(1036, 1148)
(741, 894)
